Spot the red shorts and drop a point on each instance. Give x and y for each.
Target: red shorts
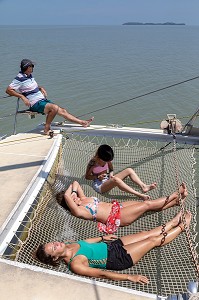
(113, 221)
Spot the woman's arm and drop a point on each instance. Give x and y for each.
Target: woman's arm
(74, 208)
(101, 238)
(76, 188)
(80, 266)
(89, 170)
(110, 167)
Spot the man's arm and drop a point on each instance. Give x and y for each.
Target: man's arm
(43, 91)
(12, 92)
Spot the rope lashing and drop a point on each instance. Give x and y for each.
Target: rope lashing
(188, 235)
(139, 96)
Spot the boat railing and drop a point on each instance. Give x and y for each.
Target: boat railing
(30, 114)
(189, 132)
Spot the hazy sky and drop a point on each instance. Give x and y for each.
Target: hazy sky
(97, 12)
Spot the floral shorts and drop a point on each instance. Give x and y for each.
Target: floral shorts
(113, 221)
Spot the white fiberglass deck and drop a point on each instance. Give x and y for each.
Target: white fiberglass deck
(132, 132)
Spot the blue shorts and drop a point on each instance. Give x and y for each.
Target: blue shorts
(98, 183)
(40, 106)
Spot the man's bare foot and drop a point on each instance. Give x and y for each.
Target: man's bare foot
(149, 187)
(87, 122)
(49, 133)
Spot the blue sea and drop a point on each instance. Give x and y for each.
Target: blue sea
(86, 69)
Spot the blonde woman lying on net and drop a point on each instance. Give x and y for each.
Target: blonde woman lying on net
(100, 170)
(112, 215)
(92, 257)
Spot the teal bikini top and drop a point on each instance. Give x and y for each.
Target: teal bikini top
(96, 254)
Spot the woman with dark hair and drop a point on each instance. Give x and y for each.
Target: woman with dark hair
(112, 215)
(91, 257)
(100, 170)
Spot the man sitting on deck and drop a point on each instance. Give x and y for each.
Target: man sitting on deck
(26, 88)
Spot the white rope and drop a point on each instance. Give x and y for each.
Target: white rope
(194, 296)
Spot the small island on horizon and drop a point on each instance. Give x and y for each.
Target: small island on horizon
(140, 23)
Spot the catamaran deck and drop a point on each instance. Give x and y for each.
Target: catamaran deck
(25, 162)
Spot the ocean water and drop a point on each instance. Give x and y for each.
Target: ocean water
(87, 68)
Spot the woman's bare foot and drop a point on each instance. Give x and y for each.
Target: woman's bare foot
(183, 190)
(183, 193)
(188, 217)
(86, 123)
(144, 197)
(146, 188)
(177, 219)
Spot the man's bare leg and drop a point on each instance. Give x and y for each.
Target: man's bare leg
(66, 115)
(49, 118)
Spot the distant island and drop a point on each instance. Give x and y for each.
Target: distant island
(139, 23)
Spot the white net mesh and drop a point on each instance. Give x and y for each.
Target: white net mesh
(169, 268)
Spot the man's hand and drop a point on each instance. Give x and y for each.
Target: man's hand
(25, 100)
(43, 91)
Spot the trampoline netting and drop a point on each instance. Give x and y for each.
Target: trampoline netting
(169, 268)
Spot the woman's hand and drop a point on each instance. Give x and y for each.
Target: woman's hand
(69, 190)
(110, 237)
(102, 176)
(111, 175)
(74, 195)
(138, 278)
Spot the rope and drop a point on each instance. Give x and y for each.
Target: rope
(154, 121)
(140, 96)
(193, 296)
(191, 247)
(6, 116)
(124, 101)
(2, 97)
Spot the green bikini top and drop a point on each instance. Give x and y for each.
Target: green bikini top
(96, 254)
